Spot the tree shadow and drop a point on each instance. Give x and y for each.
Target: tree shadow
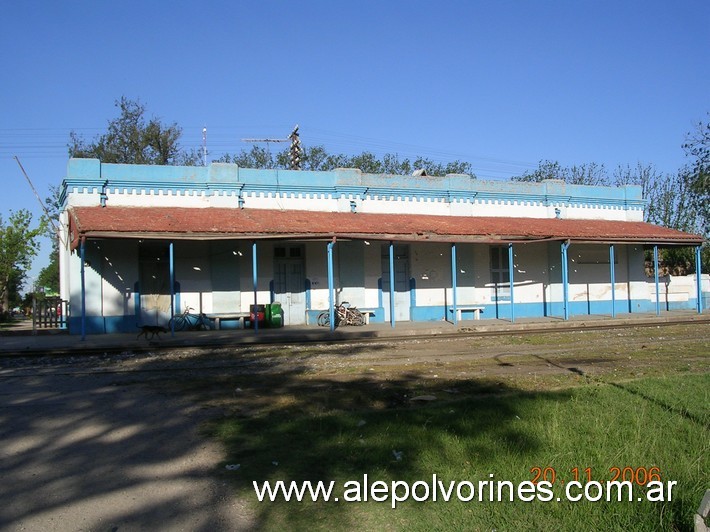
(630, 390)
(115, 445)
(279, 421)
(81, 451)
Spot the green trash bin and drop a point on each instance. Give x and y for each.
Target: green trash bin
(276, 315)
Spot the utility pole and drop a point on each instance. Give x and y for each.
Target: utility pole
(39, 200)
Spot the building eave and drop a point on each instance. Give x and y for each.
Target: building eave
(170, 223)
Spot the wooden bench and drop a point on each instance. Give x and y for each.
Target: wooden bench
(241, 317)
(464, 308)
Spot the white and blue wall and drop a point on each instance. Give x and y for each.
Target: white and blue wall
(125, 281)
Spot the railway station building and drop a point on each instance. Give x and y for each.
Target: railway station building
(142, 243)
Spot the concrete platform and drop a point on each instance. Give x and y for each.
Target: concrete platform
(20, 340)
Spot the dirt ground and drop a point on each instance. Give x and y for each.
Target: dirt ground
(113, 442)
(252, 378)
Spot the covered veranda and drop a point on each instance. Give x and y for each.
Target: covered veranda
(258, 226)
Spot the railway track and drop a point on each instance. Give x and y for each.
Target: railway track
(355, 353)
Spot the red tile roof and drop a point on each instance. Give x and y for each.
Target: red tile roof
(226, 223)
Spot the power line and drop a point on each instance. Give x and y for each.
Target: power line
(44, 207)
(37, 143)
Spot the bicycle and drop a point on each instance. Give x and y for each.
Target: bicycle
(344, 315)
(190, 322)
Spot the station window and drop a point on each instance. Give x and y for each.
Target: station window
(500, 272)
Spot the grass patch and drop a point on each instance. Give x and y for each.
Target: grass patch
(643, 423)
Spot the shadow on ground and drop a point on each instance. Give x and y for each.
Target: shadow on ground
(79, 451)
(280, 421)
(114, 445)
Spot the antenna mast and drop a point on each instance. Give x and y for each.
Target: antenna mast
(204, 146)
(295, 152)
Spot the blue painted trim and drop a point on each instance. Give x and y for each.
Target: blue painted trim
(104, 325)
(103, 197)
(137, 299)
(272, 294)
(178, 302)
(171, 258)
(453, 282)
(698, 280)
(256, 285)
(612, 280)
(682, 305)
(655, 277)
(319, 191)
(380, 296)
(307, 286)
(537, 310)
(565, 280)
(331, 287)
(127, 324)
(429, 313)
(391, 250)
(412, 292)
(92, 177)
(511, 275)
(82, 254)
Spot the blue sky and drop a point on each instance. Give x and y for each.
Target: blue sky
(501, 84)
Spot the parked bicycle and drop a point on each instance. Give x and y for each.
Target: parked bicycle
(188, 321)
(344, 315)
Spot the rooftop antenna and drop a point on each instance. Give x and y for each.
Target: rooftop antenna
(295, 162)
(204, 146)
(295, 153)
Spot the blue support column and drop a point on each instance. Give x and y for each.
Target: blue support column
(655, 276)
(256, 285)
(171, 259)
(392, 284)
(82, 254)
(331, 287)
(612, 278)
(453, 283)
(511, 275)
(698, 280)
(565, 280)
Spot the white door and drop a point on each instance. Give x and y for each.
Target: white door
(402, 297)
(290, 283)
(154, 284)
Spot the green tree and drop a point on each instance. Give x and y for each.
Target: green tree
(18, 246)
(132, 139)
(671, 202)
(669, 196)
(48, 277)
(697, 147)
(317, 158)
(583, 174)
(644, 175)
(256, 157)
(545, 170)
(672, 198)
